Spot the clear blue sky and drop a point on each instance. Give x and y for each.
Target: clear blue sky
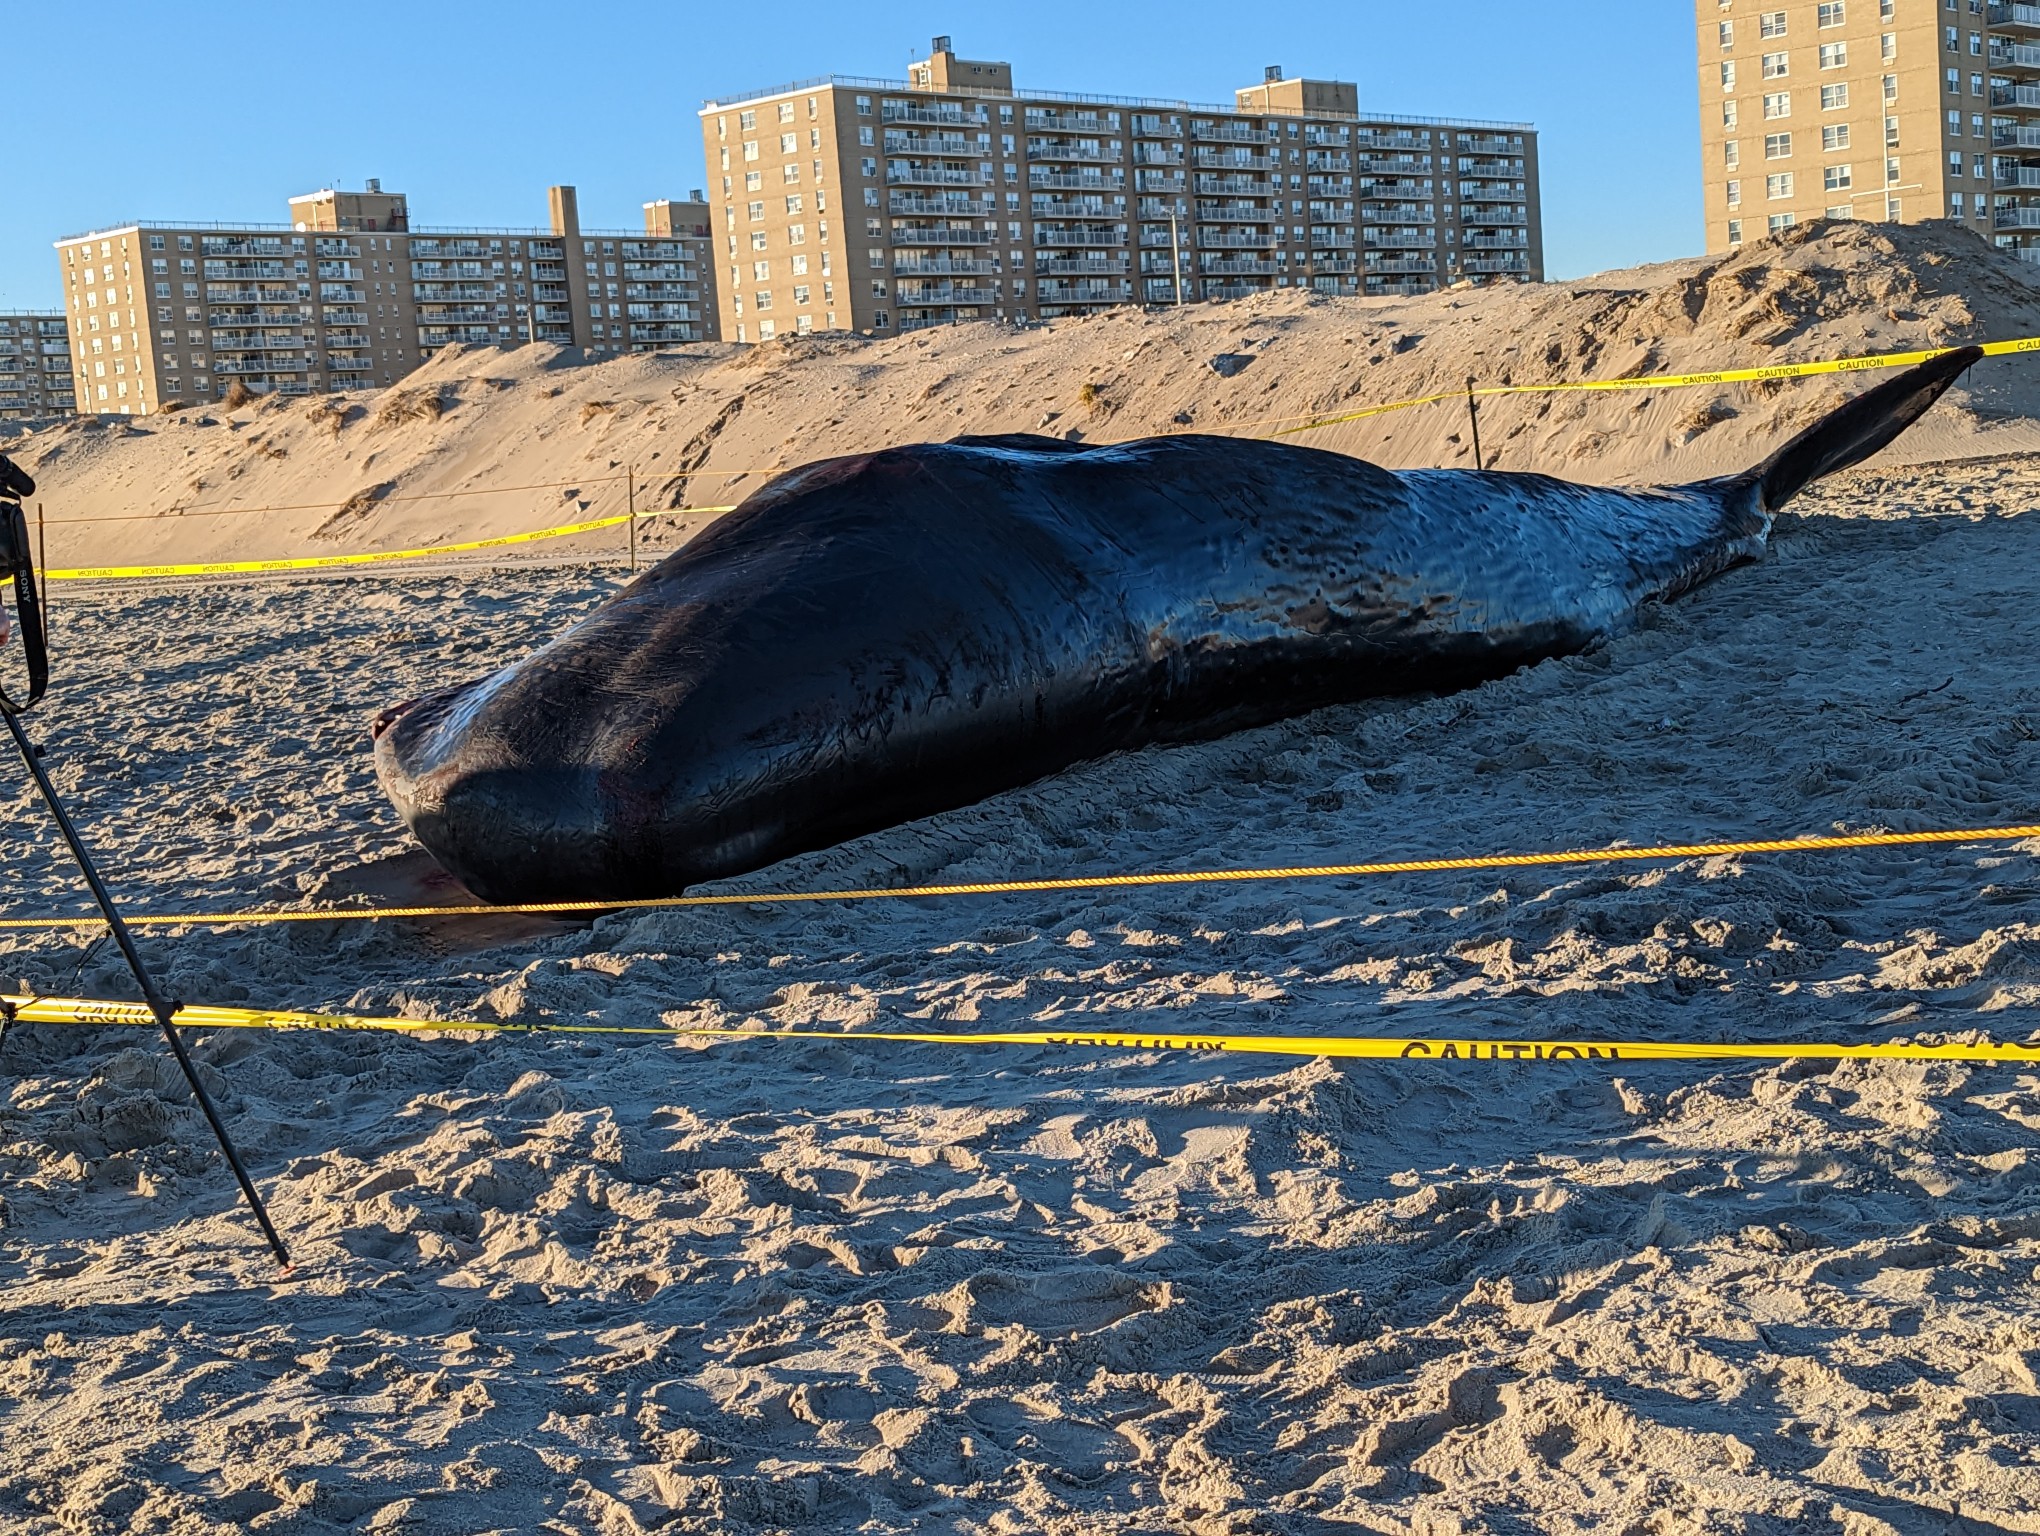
(223, 110)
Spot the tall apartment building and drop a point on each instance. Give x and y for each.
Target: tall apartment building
(889, 205)
(1879, 109)
(350, 295)
(35, 365)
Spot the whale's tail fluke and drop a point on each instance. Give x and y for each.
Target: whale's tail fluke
(1852, 433)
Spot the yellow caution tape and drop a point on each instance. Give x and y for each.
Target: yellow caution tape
(1069, 882)
(318, 562)
(95, 1011)
(1673, 380)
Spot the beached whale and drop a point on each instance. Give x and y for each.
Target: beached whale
(871, 639)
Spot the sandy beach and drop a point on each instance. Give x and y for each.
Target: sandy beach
(589, 1286)
(639, 1284)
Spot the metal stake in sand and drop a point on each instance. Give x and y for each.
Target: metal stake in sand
(15, 559)
(1473, 415)
(630, 504)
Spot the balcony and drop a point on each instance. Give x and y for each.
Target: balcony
(257, 341)
(2006, 94)
(1381, 141)
(931, 176)
(243, 245)
(1230, 133)
(1334, 138)
(345, 338)
(244, 271)
(661, 312)
(662, 292)
(915, 266)
(1158, 208)
(1238, 266)
(941, 234)
(1237, 213)
(448, 293)
(1232, 160)
(334, 317)
(1048, 149)
(1407, 288)
(940, 114)
(442, 270)
(1236, 186)
(1082, 266)
(659, 272)
(1488, 191)
(1396, 213)
(1158, 181)
(1331, 240)
(1485, 215)
(2022, 176)
(220, 293)
(920, 295)
(1151, 125)
(1094, 292)
(275, 314)
(341, 363)
(1490, 170)
(2016, 218)
(261, 364)
(2005, 54)
(1496, 263)
(1052, 120)
(430, 335)
(1508, 240)
(938, 207)
(1155, 154)
(1230, 240)
(1400, 240)
(455, 314)
(1333, 263)
(665, 333)
(1074, 181)
(1395, 165)
(550, 293)
(432, 245)
(1233, 290)
(938, 145)
(2004, 13)
(1050, 236)
(1049, 206)
(1318, 160)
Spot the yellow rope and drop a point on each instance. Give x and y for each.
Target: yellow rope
(1073, 882)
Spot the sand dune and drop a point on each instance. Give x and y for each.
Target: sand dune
(481, 443)
(578, 1285)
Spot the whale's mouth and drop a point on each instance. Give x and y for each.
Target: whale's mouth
(388, 718)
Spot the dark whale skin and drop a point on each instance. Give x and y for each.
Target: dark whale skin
(872, 639)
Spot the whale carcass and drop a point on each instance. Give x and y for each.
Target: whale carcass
(871, 639)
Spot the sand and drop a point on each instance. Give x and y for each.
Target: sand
(602, 1286)
(483, 442)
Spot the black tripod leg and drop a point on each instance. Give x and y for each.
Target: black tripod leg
(157, 1005)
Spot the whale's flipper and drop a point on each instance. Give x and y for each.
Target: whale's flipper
(1853, 432)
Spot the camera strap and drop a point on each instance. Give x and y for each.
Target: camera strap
(19, 562)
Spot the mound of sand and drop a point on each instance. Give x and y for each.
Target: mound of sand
(483, 442)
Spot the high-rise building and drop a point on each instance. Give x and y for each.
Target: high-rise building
(351, 295)
(35, 365)
(1870, 109)
(889, 205)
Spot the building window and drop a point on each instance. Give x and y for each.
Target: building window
(1976, 85)
(880, 320)
(1780, 221)
(1731, 154)
(1954, 162)
(1777, 104)
(793, 203)
(1888, 46)
(1831, 13)
(1728, 115)
(1834, 55)
(1833, 137)
(1778, 184)
(1951, 39)
(1837, 178)
(789, 143)
(757, 239)
(1976, 45)
(1842, 211)
(1777, 146)
(1954, 205)
(762, 299)
(1891, 171)
(750, 149)
(1727, 32)
(747, 121)
(756, 210)
(1771, 24)
(1893, 208)
(1728, 74)
(786, 111)
(864, 106)
(754, 181)
(1777, 66)
(1834, 97)
(1735, 194)
(1735, 231)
